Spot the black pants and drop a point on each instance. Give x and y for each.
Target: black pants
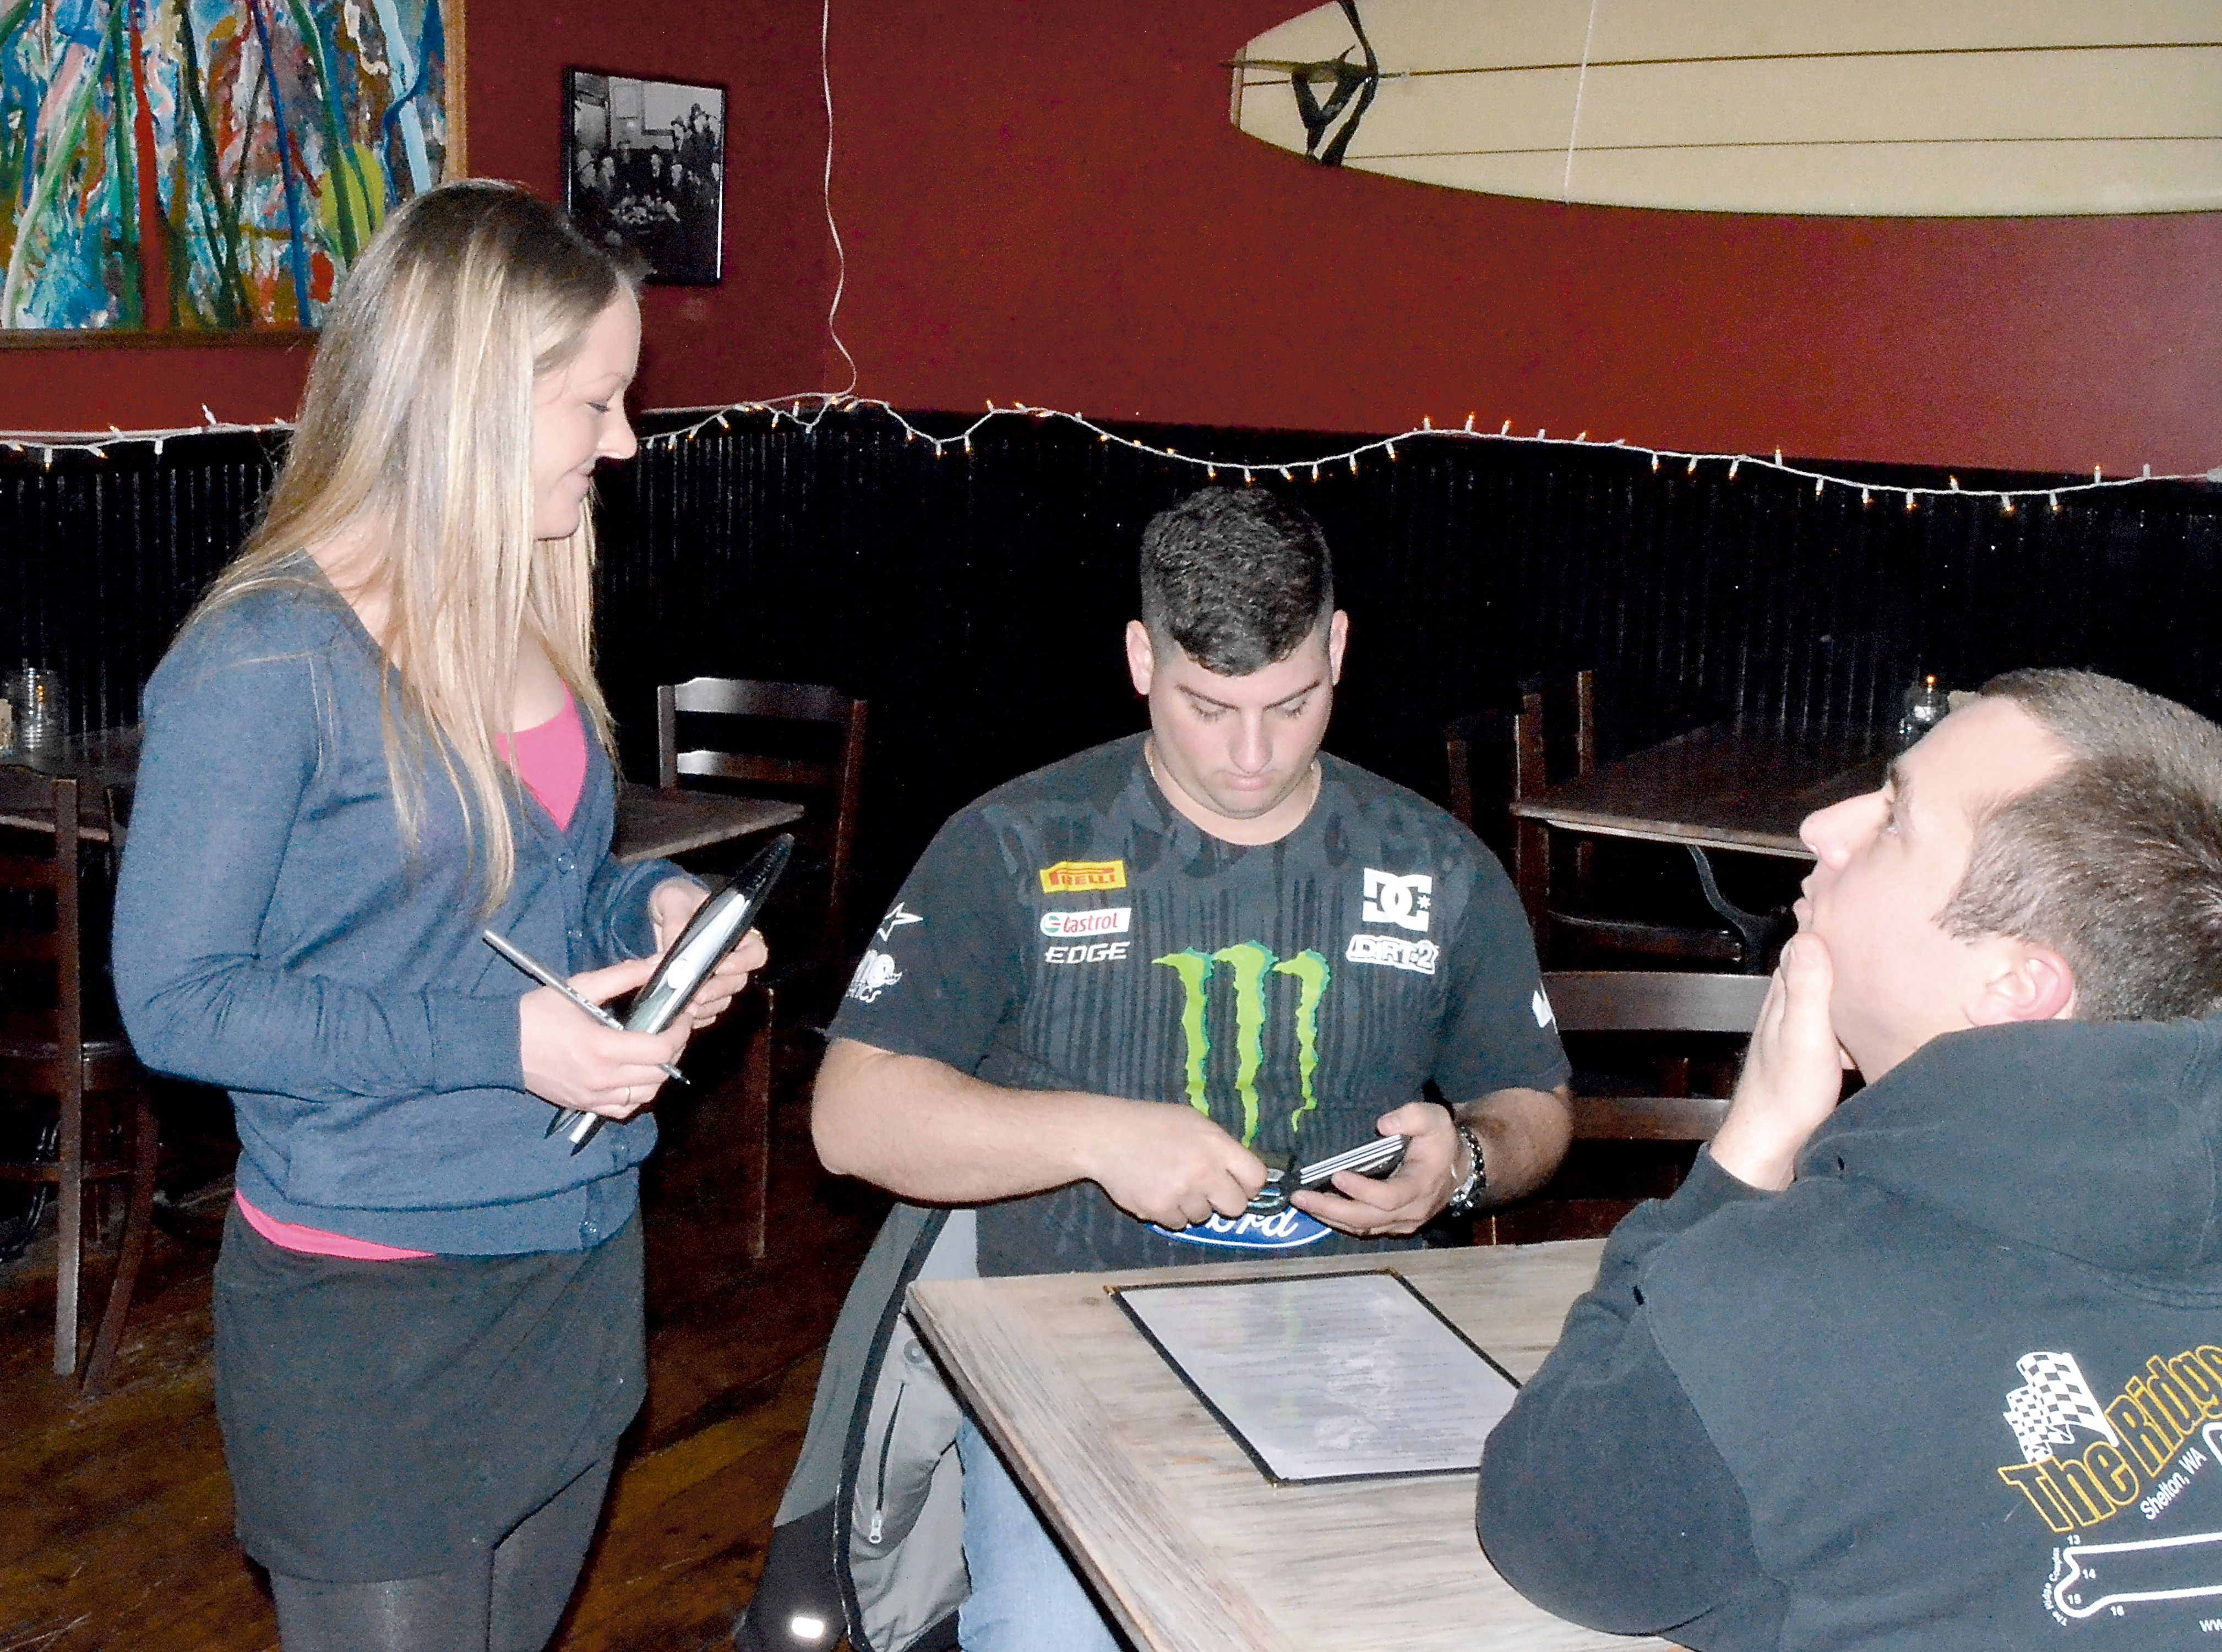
(506, 1600)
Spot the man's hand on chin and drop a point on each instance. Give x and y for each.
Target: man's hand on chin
(1792, 1074)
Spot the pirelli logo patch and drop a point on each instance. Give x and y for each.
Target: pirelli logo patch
(1072, 876)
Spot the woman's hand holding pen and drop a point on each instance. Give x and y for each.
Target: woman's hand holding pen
(670, 905)
(574, 1061)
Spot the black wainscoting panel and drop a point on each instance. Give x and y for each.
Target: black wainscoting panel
(977, 598)
(102, 556)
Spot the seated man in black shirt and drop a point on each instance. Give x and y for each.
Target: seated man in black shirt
(1110, 988)
(1941, 1365)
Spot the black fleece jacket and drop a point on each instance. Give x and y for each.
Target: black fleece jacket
(1960, 1386)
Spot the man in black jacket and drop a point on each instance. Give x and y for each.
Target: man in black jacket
(1940, 1366)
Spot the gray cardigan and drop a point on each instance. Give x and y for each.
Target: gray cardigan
(273, 935)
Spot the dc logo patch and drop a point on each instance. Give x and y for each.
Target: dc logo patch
(1401, 900)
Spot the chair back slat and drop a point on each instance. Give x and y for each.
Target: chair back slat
(1630, 1148)
(1647, 1118)
(809, 702)
(762, 771)
(1653, 1000)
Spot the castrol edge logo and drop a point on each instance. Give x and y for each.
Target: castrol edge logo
(1099, 920)
(1074, 876)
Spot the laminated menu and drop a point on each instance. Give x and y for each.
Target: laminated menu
(1329, 1376)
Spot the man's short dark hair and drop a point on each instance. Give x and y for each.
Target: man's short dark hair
(2115, 862)
(1237, 577)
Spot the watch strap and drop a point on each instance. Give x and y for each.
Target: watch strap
(1467, 1194)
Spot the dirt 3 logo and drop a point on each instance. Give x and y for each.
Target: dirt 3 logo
(1249, 971)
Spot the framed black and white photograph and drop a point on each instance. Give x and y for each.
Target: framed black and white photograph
(644, 167)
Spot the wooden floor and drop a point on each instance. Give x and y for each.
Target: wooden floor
(116, 1530)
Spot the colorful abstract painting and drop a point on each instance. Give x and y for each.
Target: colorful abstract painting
(210, 164)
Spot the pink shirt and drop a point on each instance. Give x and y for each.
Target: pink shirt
(550, 758)
(292, 1236)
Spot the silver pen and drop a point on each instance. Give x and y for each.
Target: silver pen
(548, 977)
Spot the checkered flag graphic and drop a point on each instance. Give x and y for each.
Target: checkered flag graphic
(2056, 1402)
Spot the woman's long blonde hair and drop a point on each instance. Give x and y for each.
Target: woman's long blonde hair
(416, 434)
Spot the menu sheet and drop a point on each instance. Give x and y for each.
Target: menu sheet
(1329, 1376)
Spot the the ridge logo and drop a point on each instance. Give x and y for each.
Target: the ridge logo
(1099, 921)
(1403, 901)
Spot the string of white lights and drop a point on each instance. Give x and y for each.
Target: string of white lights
(48, 444)
(807, 412)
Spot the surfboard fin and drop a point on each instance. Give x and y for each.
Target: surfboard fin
(1329, 127)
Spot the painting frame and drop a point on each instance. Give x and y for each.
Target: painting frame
(438, 55)
(644, 169)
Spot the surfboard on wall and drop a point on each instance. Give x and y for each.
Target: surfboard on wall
(1898, 107)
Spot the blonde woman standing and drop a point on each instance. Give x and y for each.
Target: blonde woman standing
(379, 733)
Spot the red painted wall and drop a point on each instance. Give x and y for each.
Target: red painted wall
(1045, 202)
(759, 334)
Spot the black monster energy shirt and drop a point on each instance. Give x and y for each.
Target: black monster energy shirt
(1072, 931)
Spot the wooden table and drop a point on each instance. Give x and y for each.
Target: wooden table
(1740, 786)
(103, 764)
(651, 823)
(1187, 1545)
(1743, 787)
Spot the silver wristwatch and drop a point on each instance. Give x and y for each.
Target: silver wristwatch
(1467, 1194)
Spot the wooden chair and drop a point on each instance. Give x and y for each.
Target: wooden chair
(62, 1051)
(1565, 919)
(828, 781)
(1631, 1001)
(819, 760)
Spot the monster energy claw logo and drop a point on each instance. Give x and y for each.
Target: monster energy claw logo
(1250, 967)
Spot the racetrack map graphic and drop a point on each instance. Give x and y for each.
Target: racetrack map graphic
(2087, 1464)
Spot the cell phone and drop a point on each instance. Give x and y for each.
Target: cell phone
(1378, 1158)
(717, 927)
